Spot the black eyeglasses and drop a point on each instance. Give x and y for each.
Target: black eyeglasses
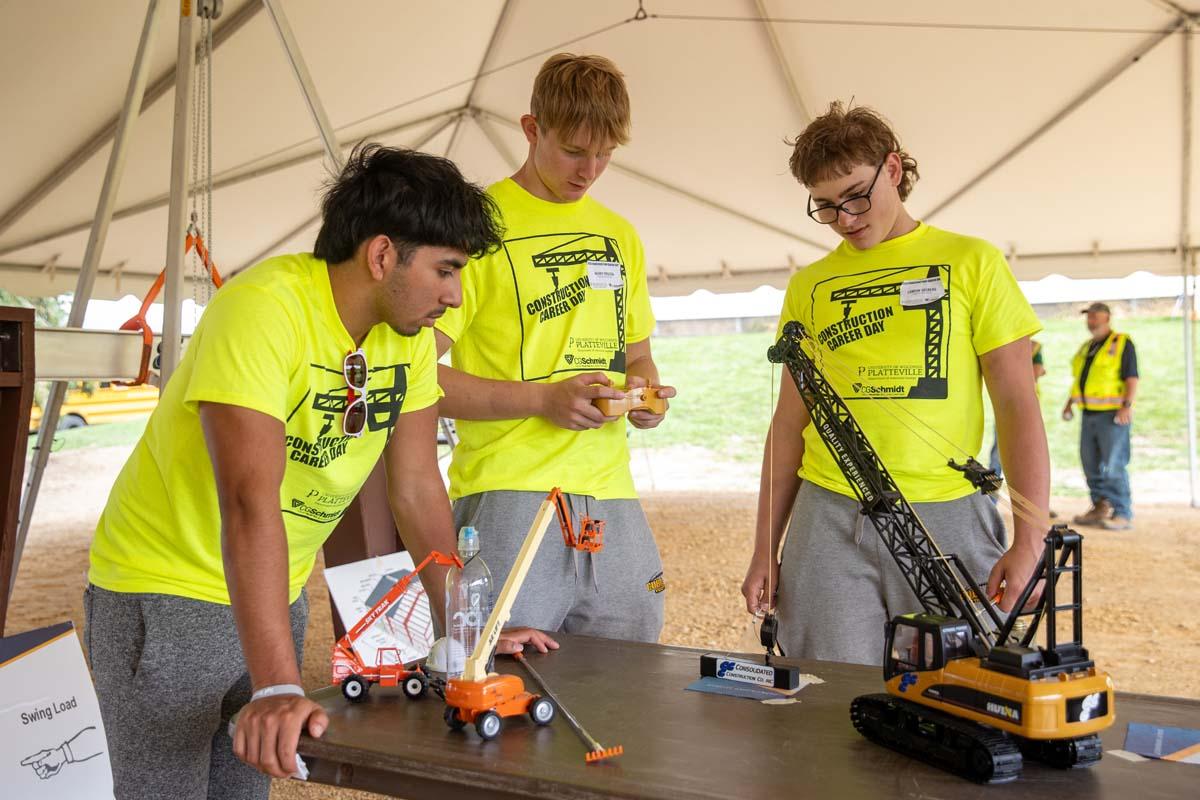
(859, 204)
(354, 369)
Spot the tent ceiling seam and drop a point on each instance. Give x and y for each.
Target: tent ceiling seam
(1093, 89)
(94, 143)
(713, 204)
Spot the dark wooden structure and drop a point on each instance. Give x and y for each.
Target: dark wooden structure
(367, 529)
(685, 745)
(16, 400)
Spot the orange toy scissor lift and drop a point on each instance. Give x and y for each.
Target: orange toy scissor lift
(353, 674)
(591, 531)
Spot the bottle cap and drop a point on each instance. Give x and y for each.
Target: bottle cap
(468, 541)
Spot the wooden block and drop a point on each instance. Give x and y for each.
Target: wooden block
(639, 399)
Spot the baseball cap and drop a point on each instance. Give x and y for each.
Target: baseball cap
(1097, 307)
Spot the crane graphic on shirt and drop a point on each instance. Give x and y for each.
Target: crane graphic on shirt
(314, 436)
(877, 302)
(325, 404)
(566, 324)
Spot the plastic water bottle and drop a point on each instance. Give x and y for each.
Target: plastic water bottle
(468, 602)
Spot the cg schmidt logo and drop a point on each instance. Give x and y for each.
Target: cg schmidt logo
(868, 389)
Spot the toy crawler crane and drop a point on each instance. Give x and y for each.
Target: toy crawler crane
(963, 691)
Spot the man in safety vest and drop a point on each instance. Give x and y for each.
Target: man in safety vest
(1104, 382)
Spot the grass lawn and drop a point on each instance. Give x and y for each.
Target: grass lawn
(725, 397)
(106, 435)
(724, 385)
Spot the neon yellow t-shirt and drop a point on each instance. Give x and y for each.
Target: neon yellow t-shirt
(271, 340)
(899, 331)
(566, 294)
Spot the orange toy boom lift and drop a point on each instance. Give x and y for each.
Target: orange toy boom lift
(485, 699)
(591, 531)
(353, 674)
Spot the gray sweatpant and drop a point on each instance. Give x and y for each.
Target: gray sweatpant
(169, 674)
(616, 593)
(839, 585)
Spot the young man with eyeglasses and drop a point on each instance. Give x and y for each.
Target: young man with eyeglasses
(303, 371)
(909, 322)
(556, 318)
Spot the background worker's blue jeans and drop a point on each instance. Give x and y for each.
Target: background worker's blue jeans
(1104, 451)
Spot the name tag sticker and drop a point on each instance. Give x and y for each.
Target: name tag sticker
(921, 291)
(604, 275)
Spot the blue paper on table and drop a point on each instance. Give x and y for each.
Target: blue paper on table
(751, 691)
(1169, 744)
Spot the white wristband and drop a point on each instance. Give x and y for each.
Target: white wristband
(277, 689)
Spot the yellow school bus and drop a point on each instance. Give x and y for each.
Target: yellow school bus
(105, 403)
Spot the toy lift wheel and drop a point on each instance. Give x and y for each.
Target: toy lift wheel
(414, 686)
(541, 711)
(488, 725)
(452, 719)
(355, 689)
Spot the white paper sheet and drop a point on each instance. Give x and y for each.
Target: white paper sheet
(356, 587)
(51, 735)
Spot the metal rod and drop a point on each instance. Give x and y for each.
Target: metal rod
(87, 274)
(1186, 261)
(105, 134)
(181, 146)
(1127, 61)
(324, 129)
(567, 715)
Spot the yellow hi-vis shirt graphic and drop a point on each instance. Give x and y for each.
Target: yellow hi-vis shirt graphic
(565, 295)
(899, 330)
(271, 340)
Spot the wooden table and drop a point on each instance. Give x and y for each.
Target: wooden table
(682, 745)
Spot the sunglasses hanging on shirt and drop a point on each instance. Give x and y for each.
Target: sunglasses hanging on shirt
(354, 370)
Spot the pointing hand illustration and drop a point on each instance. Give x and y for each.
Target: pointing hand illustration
(83, 746)
(46, 763)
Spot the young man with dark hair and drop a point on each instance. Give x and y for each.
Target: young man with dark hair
(303, 371)
(556, 318)
(1104, 382)
(909, 322)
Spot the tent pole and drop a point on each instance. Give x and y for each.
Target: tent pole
(333, 151)
(181, 179)
(1187, 262)
(87, 273)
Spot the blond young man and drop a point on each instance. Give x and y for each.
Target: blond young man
(556, 318)
(837, 584)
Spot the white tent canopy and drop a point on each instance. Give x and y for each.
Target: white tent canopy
(1054, 130)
